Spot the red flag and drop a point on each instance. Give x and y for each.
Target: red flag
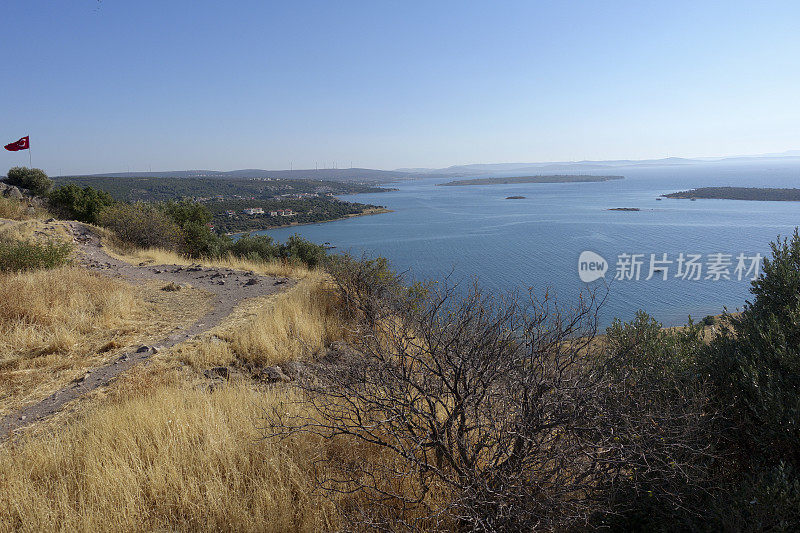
(22, 144)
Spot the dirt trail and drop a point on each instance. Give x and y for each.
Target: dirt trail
(229, 287)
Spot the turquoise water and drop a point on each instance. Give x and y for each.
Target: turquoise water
(535, 243)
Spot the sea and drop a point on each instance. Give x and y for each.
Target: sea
(706, 249)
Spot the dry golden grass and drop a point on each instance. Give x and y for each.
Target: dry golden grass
(55, 324)
(291, 325)
(156, 450)
(18, 210)
(30, 229)
(177, 459)
(164, 257)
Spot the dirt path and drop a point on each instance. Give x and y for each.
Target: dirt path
(229, 287)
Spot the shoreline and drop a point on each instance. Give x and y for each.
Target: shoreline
(368, 212)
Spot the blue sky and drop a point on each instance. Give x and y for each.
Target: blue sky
(118, 85)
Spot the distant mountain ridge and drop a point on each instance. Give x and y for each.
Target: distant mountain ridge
(331, 174)
(374, 176)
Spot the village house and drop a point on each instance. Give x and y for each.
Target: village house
(254, 211)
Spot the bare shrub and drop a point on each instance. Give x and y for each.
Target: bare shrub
(482, 413)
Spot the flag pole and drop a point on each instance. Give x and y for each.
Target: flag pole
(30, 157)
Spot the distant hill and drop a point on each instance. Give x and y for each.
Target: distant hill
(584, 178)
(360, 175)
(739, 193)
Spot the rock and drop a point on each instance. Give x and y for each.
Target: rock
(221, 371)
(12, 192)
(251, 281)
(274, 374)
(30, 210)
(49, 221)
(143, 349)
(294, 369)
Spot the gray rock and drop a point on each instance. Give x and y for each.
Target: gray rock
(143, 349)
(221, 371)
(274, 374)
(12, 192)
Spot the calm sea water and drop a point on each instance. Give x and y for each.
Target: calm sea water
(475, 232)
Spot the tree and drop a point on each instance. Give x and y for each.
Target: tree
(84, 204)
(33, 179)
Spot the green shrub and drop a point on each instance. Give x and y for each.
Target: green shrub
(755, 367)
(200, 241)
(17, 256)
(300, 249)
(256, 248)
(663, 426)
(142, 225)
(33, 179)
(186, 212)
(84, 204)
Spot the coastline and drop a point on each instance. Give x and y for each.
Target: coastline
(367, 212)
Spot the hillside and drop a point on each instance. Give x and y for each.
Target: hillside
(150, 382)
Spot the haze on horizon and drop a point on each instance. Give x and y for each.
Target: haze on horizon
(114, 87)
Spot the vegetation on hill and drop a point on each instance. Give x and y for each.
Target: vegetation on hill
(740, 193)
(558, 178)
(156, 189)
(406, 407)
(311, 200)
(306, 211)
(79, 203)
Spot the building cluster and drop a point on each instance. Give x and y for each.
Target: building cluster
(260, 211)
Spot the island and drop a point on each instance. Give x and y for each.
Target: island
(624, 209)
(739, 193)
(559, 178)
(515, 197)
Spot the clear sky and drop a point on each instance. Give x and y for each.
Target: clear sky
(133, 85)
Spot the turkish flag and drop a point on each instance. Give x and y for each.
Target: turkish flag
(22, 144)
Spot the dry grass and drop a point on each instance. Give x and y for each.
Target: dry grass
(18, 210)
(156, 450)
(288, 326)
(178, 459)
(30, 229)
(164, 257)
(55, 324)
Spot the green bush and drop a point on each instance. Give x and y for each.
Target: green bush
(663, 425)
(300, 249)
(33, 179)
(256, 248)
(755, 366)
(142, 225)
(17, 256)
(200, 241)
(84, 204)
(186, 212)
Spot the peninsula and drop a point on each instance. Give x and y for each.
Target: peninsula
(739, 193)
(558, 178)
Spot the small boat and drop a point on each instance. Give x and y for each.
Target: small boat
(659, 199)
(328, 246)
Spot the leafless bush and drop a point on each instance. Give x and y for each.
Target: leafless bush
(474, 413)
